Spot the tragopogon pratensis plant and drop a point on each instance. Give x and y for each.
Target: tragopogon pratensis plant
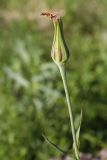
(60, 55)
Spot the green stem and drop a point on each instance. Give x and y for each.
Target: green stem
(63, 75)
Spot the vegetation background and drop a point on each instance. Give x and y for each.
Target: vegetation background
(32, 100)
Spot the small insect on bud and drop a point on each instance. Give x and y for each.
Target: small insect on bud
(59, 52)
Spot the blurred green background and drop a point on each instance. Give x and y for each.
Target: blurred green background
(32, 100)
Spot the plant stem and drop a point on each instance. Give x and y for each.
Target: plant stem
(63, 75)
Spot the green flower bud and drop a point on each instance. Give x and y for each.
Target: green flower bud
(59, 52)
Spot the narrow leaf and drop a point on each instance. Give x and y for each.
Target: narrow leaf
(53, 145)
(78, 130)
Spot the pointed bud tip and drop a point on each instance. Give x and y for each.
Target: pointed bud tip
(51, 15)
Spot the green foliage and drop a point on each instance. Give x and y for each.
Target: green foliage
(32, 100)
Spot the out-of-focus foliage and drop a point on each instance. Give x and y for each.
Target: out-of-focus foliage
(32, 99)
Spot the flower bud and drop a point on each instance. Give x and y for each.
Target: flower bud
(59, 52)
